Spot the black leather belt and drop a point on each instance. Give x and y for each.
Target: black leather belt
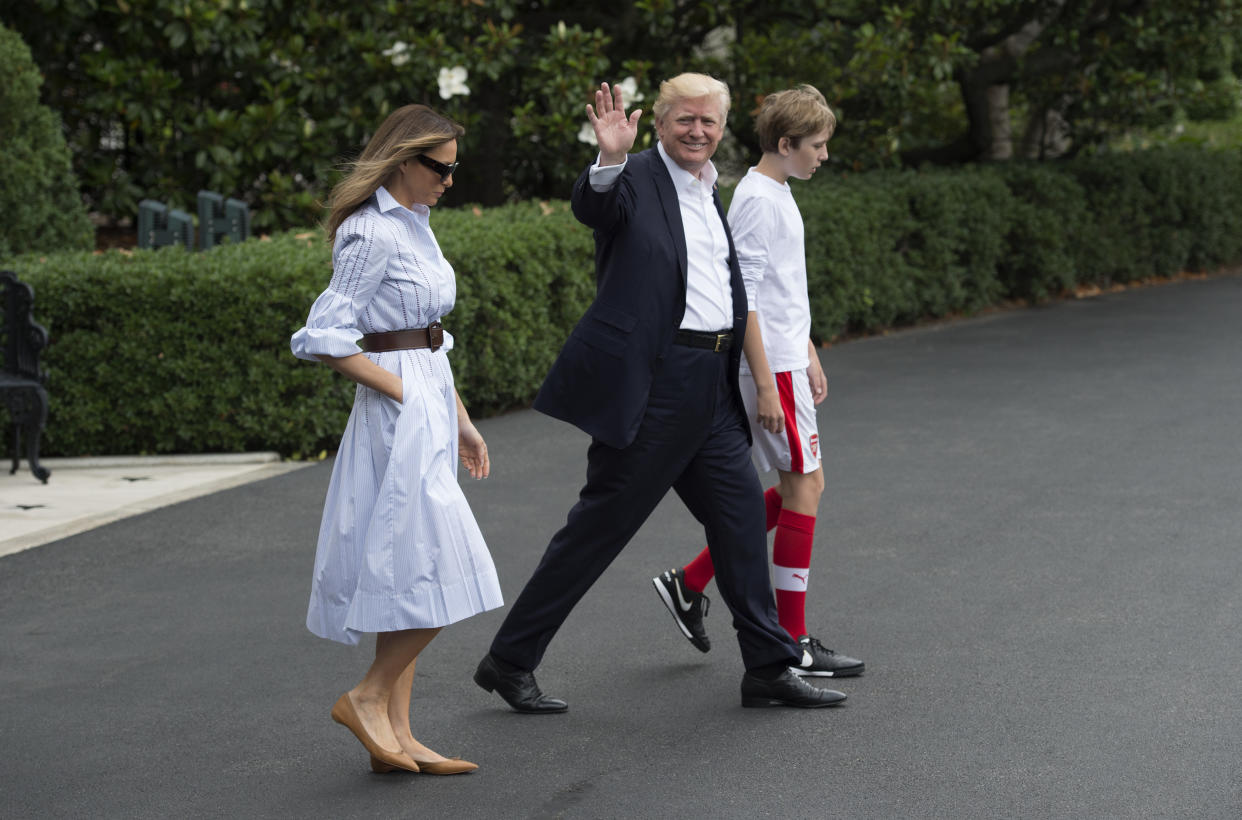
(715, 342)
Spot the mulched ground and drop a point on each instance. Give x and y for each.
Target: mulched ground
(107, 238)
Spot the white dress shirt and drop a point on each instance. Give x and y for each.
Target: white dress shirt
(709, 296)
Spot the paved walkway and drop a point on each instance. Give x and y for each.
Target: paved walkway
(1032, 534)
(85, 493)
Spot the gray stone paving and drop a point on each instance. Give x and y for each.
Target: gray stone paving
(89, 492)
(1032, 534)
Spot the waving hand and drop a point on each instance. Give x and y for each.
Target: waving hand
(614, 131)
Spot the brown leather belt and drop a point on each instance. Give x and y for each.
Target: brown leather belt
(414, 338)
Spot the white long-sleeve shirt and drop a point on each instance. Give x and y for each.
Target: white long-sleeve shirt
(768, 234)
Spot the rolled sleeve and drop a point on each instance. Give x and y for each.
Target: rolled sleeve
(318, 338)
(358, 266)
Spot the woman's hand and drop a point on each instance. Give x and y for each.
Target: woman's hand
(470, 445)
(473, 450)
(614, 131)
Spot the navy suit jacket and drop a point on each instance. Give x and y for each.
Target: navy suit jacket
(602, 377)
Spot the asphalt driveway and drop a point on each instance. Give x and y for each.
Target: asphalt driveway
(1032, 534)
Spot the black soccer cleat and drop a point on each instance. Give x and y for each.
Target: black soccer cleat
(688, 607)
(820, 662)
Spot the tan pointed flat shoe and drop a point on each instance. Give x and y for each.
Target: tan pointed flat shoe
(343, 712)
(453, 765)
(380, 767)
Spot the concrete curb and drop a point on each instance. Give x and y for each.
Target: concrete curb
(186, 460)
(252, 469)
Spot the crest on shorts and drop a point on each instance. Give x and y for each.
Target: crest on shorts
(815, 445)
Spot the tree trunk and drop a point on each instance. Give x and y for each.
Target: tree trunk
(977, 95)
(1047, 133)
(985, 91)
(1001, 147)
(484, 182)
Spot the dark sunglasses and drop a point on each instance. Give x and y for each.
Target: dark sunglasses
(445, 171)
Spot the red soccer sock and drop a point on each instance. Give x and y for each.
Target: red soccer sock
(791, 562)
(698, 572)
(772, 503)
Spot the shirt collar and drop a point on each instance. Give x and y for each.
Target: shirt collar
(764, 179)
(683, 179)
(388, 202)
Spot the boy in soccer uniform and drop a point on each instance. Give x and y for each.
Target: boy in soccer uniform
(781, 377)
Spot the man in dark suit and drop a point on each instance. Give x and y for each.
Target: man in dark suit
(650, 372)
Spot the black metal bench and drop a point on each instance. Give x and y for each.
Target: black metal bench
(22, 380)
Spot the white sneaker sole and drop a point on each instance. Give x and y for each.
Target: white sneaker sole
(810, 673)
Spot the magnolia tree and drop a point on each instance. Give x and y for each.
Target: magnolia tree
(265, 100)
(965, 80)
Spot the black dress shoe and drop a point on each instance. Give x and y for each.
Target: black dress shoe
(518, 688)
(786, 690)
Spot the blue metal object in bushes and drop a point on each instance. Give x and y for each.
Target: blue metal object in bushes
(158, 226)
(219, 218)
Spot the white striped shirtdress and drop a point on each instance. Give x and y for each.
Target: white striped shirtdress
(398, 545)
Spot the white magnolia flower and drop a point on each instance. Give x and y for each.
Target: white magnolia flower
(284, 62)
(587, 134)
(398, 53)
(113, 137)
(453, 82)
(629, 90)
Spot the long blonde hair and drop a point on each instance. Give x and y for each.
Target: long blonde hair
(405, 133)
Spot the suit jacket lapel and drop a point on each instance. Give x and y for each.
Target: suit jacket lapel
(723, 219)
(672, 207)
(735, 272)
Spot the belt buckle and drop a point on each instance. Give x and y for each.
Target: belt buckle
(721, 338)
(435, 336)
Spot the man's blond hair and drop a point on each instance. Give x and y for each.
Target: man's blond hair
(690, 87)
(795, 113)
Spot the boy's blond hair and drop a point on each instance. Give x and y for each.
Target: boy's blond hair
(795, 113)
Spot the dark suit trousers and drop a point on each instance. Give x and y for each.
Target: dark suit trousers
(693, 439)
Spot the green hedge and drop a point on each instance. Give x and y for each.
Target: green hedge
(169, 351)
(38, 192)
(887, 248)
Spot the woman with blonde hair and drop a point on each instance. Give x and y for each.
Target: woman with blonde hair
(399, 552)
